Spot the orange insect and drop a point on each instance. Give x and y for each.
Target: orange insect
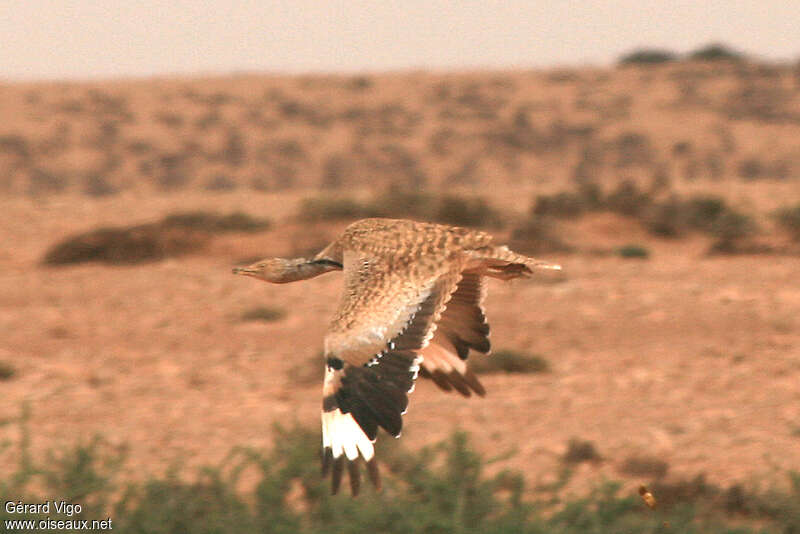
(647, 497)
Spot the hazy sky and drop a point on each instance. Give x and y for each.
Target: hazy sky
(111, 38)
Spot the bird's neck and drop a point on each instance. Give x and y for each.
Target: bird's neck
(303, 269)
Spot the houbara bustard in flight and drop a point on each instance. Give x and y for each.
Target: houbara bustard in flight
(412, 304)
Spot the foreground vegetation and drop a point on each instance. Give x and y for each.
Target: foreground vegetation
(440, 489)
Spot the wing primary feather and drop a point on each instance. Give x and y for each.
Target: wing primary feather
(327, 459)
(474, 383)
(458, 382)
(374, 473)
(336, 475)
(440, 379)
(355, 477)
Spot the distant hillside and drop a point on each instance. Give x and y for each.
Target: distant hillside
(674, 123)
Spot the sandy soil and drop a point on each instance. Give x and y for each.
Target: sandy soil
(685, 357)
(690, 358)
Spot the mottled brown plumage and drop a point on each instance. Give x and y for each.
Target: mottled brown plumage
(413, 302)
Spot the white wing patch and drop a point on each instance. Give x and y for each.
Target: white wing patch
(342, 434)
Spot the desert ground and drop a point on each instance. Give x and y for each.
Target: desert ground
(685, 357)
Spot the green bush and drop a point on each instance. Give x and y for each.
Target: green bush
(441, 489)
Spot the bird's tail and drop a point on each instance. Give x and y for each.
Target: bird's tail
(505, 264)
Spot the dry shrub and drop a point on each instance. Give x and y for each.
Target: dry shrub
(628, 199)
(335, 171)
(279, 177)
(447, 209)
(730, 229)
(359, 83)
(579, 451)
(264, 314)
(334, 208)
(172, 180)
(234, 153)
(97, 185)
(644, 466)
(510, 361)
(716, 52)
(41, 181)
(569, 204)
(633, 148)
(734, 499)
(214, 223)
(538, 235)
(466, 211)
(625, 199)
(633, 251)
(789, 219)
(289, 149)
(7, 371)
(763, 101)
(175, 235)
(751, 169)
(17, 145)
(648, 56)
(125, 245)
(704, 213)
(170, 119)
(564, 204)
(220, 183)
(308, 371)
(665, 219)
(671, 217)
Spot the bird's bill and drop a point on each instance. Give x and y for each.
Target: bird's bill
(546, 266)
(246, 271)
(544, 272)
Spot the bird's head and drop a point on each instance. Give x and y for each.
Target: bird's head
(275, 270)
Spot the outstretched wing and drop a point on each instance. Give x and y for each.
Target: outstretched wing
(461, 328)
(387, 316)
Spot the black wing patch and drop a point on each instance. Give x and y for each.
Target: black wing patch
(463, 321)
(376, 394)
